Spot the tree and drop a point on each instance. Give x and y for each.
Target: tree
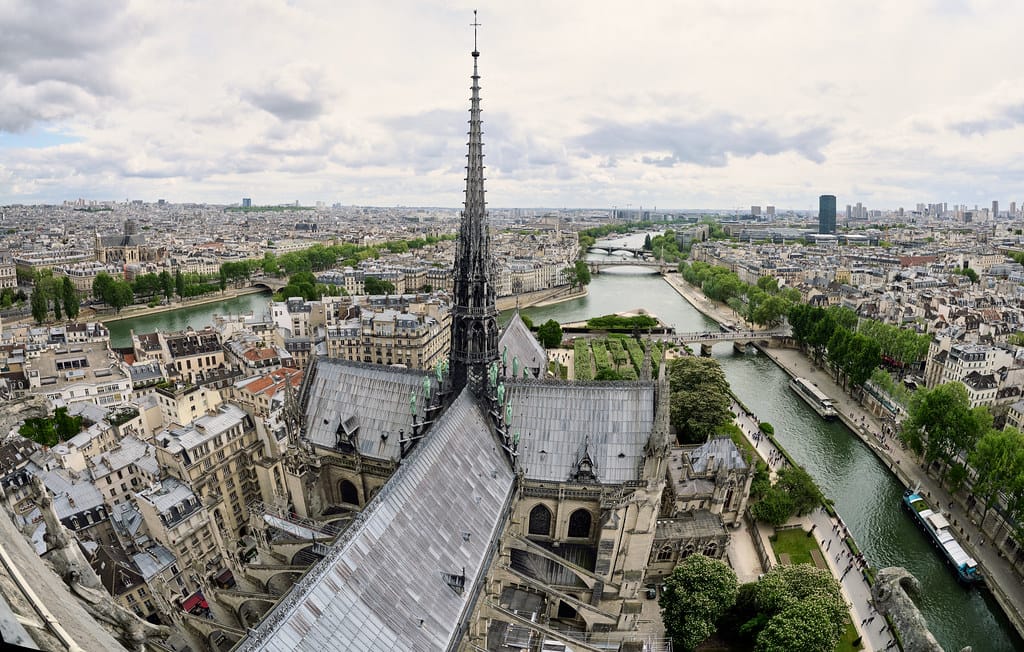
(801, 627)
(805, 608)
(374, 285)
(39, 306)
(647, 242)
(941, 423)
(694, 597)
(774, 507)
(57, 314)
(998, 459)
(223, 280)
(582, 272)
(550, 334)
(101, 286)
(801, 489)
(70, 298)
(49, 431)
(167, 284)
(121, 295)
(179, 284)
(700, 400)
(608, 373)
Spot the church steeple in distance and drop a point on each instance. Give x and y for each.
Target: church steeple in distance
(474, 316)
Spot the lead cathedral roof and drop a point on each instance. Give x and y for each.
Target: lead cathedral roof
(559, 423)
(392, 581)
(370, 403)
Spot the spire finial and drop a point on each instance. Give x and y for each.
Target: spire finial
(474, 25)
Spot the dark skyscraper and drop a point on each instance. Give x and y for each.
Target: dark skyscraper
(827, 214)
(474, 317)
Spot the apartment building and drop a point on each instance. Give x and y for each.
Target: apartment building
(78, 373)
(214, 455)
(417, 336)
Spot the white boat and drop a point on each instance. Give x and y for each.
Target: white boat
(816, 398)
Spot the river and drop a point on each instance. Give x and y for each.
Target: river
(196, 316)
(865, 493)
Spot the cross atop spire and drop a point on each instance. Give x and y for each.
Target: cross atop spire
(474, 25)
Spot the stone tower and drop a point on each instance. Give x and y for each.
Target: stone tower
(475, 317)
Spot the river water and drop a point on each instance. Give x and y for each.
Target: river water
(196, 316)
(865, 494)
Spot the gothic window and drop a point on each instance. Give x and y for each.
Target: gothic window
(540, 521)
(348, 492)
(688, 550)
(711, 550)
(579, 523)
(665, 554)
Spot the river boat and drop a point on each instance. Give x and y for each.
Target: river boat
(814, 397)
(939, 531)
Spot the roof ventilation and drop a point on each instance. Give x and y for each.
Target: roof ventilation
(457, 583)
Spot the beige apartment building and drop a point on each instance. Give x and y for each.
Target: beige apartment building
(417, 338)
(177, 519)
(182, 403)
(214, 455)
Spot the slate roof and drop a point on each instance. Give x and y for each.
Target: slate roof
(558, 422)
(368, 400)
(382, 585)
(722, 449)
(521, 344)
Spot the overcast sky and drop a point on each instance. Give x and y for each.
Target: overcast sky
(700, 103)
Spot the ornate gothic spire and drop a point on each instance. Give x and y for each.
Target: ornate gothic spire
(474, 317)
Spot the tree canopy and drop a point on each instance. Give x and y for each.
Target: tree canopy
(794, 493)
(374, 285)
(998, 460)
(51, 430)
(550, 334)
(700, 400)
(941, 423)
(804, 607)
(697, 593)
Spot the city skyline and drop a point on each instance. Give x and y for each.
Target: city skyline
(678, 107)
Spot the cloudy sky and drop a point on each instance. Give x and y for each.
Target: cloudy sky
(690, 103)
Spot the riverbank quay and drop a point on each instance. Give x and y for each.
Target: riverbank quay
(1002, 581)
(539, 298)
(133, 312)
(838, 549)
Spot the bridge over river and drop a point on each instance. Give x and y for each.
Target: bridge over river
(706, 339)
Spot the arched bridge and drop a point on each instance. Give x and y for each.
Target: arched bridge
(707, 339)
(271, 283)
(612, 249)
(655, 266)
(711, 337)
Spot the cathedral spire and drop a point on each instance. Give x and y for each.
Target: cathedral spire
(474, 316)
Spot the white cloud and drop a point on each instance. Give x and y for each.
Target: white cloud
(585, 103)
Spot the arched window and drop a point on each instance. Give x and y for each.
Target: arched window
(688, 550)
(348, 492)
(665, 554)
(579, 523)
(711, 550)
(540, 520)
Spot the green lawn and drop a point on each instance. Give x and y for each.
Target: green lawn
(846, 642)
(796, 544)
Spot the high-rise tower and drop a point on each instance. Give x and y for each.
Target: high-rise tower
(474, 317)
(827, 214)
